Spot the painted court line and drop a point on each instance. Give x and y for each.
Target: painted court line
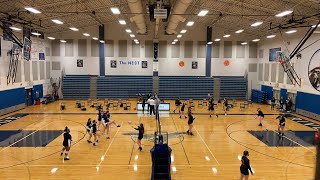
(296, 142)
(207, 147)
(102, 159)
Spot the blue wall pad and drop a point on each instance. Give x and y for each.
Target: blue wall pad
(11, 118)
(268, 90)
(38, 88)
(12, 97)
(271, 138)
(284, 94)
(37, 139)
(308, 102)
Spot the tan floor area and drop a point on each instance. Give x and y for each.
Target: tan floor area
(211, 154)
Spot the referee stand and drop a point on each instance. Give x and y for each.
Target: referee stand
(160, 152)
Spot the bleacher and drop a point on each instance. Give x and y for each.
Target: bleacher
(76, 87)
(122, 87)
(232, 87)
(171, 87)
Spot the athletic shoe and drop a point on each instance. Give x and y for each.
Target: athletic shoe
(188, 132)
(94, 144)
(97, 140)
(185, 117)
(140, 149)
(174, 111)
(108, 137)
(89, 141)
(118, 126)
(217, 115)
(260, 124)
(66, 159)
(61, 154)
(180, 117)
(191, 134)
(210, 115)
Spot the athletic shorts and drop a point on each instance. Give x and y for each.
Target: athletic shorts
(88, 130)
(190, 122)
(211, 108)
(94, 133)
(244, 171)
(284, 124)
(140, 137)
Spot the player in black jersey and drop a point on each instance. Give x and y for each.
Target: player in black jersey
(260, 116)
(67, 138)
(225, 106)
(107, 122)
(89, 130)
(182, 111)
(140, 128)
(190, 121)
(95, 132)
(282, 123)
(177, 103)
(99, 117)
(245, 166)
(211, 106)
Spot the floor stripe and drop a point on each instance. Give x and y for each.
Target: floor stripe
(207, 146)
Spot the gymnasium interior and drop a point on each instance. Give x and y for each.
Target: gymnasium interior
(63, 61)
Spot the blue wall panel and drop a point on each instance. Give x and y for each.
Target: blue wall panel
(38, 88)
(268, 90)
(308, 102)
(284, 94)
(11, 98)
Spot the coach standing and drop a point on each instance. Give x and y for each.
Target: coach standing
(151, 103)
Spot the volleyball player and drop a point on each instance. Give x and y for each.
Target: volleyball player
(245, 166)
(95, 133)
(182, 111)
(67, 138)
(99, 117)
(211, 106)
(89, 130)
(225, 106)
(273, 103)
(140, 128)
(282, 123)
(106, 121)
(177, 103)
(190, 121)
(260, 116)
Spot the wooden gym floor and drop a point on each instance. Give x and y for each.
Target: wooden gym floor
(211, 154)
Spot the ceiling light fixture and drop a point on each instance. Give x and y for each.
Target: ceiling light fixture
(179, 36)
(173, 43)
(190, 23)
(33, 10)
(271, 36)
(256, 40)
(227, 35)
(132, 35)
(36, 33)
(135, 40)
(95, 38)
(183, 31)
(15, 28)
(210, 42)
(284, 13)
(257, 24)
(57, 21)
(217, 40)
(239, 31)
(244, 43)
(115, 10)
(52, 38)
(203, 12)
(74, 29)
(128, 31)
(86, 34)
(102, 41)
(176, 40)
(291, 31)
(122, 22)
(63, 41)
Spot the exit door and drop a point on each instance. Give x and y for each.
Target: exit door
(29, 97)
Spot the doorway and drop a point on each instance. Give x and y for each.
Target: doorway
(29, 96)
(293, 96)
